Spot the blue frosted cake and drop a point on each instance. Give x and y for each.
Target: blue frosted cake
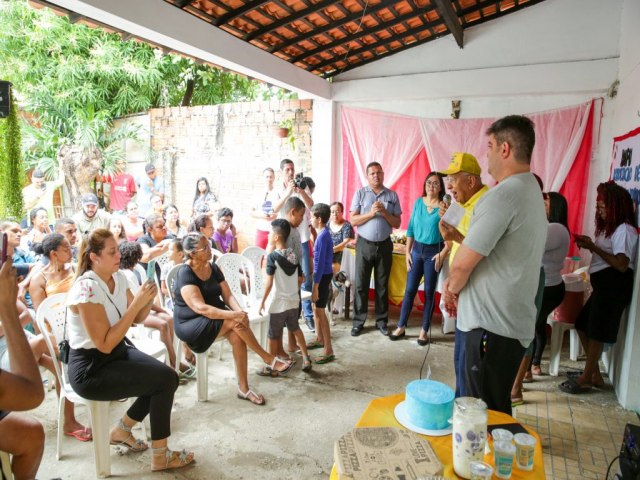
(429, 404)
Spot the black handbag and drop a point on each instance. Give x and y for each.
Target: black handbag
(63, 346)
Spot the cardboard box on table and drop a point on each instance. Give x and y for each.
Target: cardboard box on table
(384, 452)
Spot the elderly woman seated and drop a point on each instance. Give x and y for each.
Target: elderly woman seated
(205, 308)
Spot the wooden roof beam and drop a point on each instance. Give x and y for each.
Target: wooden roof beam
(448, 14)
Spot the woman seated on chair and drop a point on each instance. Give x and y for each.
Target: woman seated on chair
(55, 277)
(205, 308)
(103, 365)
(130, 255)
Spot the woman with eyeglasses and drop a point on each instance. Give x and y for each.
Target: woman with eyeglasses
(425, 253)
(612, 265)
(156, 241)
(225, 236)
(205, 308)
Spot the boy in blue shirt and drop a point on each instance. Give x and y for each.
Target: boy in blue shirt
(322, 274)
(284, 277)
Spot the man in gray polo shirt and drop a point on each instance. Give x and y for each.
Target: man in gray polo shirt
(494, 275)
(375, 210)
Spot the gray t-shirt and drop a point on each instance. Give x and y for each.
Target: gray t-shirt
(509, 228)
(555, 251)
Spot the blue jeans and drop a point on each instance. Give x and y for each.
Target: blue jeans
(307, 285)
(422, 265)
(458, 362)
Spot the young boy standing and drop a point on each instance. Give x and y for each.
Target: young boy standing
(322, 274)
(284, 276)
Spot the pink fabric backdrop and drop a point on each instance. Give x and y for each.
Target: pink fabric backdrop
(561, 156)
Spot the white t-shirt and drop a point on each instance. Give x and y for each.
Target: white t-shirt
(623, 240)
(90, 288)
(264, 204)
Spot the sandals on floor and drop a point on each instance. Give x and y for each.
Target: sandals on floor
(306, 364)
(247, 396)
(325, 359)
(183, 457)
(313, 345)
(82, 434)
(573, 387)
(132, 444)
(517, 401)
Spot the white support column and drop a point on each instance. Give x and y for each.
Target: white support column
(326, 172)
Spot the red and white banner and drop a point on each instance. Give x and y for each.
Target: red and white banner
(625, 168)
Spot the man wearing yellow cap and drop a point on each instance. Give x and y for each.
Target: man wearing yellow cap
(495, 273)
(465, 185)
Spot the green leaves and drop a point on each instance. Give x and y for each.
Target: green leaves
(73, 81)
(11, 173)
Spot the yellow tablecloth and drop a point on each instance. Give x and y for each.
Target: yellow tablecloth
(397, 278)
(379, 413)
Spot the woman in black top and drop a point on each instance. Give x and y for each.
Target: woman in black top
(204, 308)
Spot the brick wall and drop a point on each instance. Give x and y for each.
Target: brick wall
(230, 144)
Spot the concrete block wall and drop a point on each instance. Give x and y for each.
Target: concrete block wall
(230, 144)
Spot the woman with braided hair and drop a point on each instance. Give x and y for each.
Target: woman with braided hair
(612, 263)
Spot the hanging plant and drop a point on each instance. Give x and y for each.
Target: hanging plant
(286, 131)
(11, 173)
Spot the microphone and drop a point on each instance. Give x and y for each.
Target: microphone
(446, 199)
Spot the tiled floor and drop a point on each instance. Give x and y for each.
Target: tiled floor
(580, 434)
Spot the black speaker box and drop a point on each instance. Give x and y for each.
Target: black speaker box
(630, 453)
(5, 98)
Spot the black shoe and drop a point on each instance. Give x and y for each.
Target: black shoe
(422, 343)
(356, 331)
(383, 330)
(393, 337)
(311, 325)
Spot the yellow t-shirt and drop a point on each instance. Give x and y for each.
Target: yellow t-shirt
(463, 226)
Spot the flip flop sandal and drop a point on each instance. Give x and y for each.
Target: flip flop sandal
(573, 374)
(517, 401)
(574, 388)
(325, 359)
(82, 434)
(189, 373)
(306, 364)
(314, 345)
(247, 396)
(273, 369)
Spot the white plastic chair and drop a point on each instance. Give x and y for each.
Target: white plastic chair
(51, 312)
(5, 466)
(202, 367)
(257, 256)
(558, 330)
(215, 254)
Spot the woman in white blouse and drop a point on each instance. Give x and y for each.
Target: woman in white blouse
(103, 364)
(613, 262)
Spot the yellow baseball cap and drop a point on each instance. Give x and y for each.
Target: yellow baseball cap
(462, 162)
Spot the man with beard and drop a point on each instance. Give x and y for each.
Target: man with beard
(91, 217)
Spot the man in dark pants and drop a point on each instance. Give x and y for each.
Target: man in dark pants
(375, 210)
(497, 268)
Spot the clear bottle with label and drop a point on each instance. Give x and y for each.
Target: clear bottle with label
(469, 433)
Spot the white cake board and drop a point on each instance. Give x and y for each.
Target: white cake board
(401, 415)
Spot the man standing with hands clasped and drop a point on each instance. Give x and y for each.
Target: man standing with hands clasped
(375, 210)
(494, 275)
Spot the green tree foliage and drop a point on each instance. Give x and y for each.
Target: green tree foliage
(73, 81)
(11, 173)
